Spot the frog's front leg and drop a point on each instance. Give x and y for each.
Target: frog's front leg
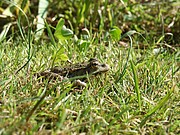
(79, 83)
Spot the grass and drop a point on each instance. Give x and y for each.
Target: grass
(139, 95)
(104, 106)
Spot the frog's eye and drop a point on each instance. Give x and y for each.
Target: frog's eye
(95, 64)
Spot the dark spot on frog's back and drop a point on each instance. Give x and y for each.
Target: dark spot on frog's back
(56, 69)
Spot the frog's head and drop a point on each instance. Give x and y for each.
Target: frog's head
(95, 67)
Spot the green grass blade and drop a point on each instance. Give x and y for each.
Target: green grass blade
(137, 90)
(158, 106)
(128, 57)
(50, 33)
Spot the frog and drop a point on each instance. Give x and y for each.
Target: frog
(79, 71)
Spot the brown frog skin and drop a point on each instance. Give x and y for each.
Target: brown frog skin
(92, 67)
